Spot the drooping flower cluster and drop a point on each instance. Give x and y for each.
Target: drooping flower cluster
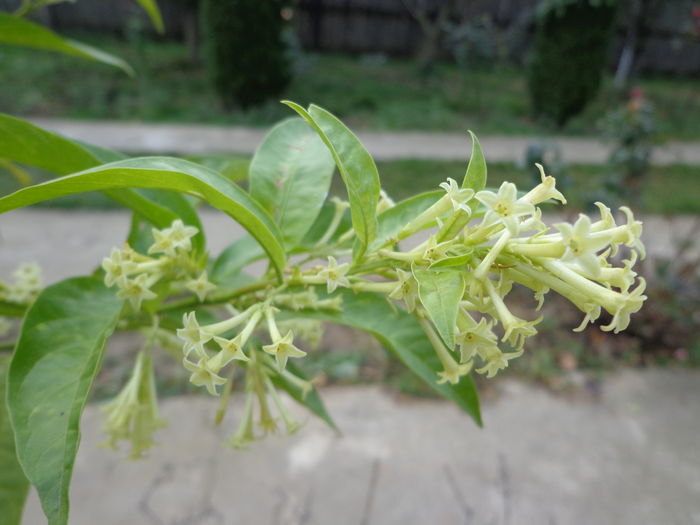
(136, 274)
(26, 285)
(507, 242)
(133, 415)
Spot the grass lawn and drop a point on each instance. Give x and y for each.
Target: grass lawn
(671, 189)
(367, 92)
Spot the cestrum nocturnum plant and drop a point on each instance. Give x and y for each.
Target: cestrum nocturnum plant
(429, 276)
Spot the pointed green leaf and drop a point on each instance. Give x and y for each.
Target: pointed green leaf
(58, 354)
(475, 178)
(234, 258)
(357, 168)
(312, 401)
(290, 175)
(22, 141)
(21, 32)
(14, 485)
(399, 332)
(440, 292)
(159, 208)
(168, 174)
(151, 9)
(392, 221)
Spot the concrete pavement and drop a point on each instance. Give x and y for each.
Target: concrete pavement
(628, 458)
(195, 139)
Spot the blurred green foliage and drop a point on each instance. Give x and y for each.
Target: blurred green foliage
(569, 55)
(386, 94)
(244, 50)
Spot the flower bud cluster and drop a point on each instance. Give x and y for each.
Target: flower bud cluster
(26, 285)
(133, 414)
(135, 274)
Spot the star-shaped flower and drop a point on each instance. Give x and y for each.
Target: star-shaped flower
(117, 267)
(581, 245)
(192, 334)
(169, 240)
(406, 289)
(504, 207)
(204, 375)
(201, 286)
(284, 348)
(136, 290)
(334, 274)
(458, 196)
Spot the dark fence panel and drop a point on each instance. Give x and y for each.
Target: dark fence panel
(385, 26)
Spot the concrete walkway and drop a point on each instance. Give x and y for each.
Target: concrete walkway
(190, 139)
(628, 458)
(71, 243)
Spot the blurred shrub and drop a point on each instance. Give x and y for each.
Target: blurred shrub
(244, 50)
(631, 131)
(569, 53)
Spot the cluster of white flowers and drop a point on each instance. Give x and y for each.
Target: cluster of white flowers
(26, 285)
(136, 274)
(511, 244)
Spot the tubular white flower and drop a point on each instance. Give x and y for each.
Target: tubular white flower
(545, 190)
(459, 197)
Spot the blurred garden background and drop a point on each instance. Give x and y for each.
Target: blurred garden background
(604, 93)
(619, 74)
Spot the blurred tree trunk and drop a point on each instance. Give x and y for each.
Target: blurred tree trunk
(639, 14)
(431, 19)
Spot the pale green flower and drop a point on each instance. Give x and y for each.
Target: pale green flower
(204, 374)
(504, 207)
(200, 286)
(283, 348)
(133, 414)
(176, 237)
(581, 245)
(496, 361)
(245, 433)
(406, 289)
(137, 290)
(334, 274)
(193, 335)
(545, 190)
(459, 197)
(118, 266)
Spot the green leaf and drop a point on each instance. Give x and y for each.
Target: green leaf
(12, 309)
(290, 175)
(234, 258)
(14, 485)
(319, 228)
(392, 221)
(312, 401)
(21, 32)
(475, 178)
(169, 174)
(357, 168)
(22, 141)
(57, 357)
(440, 292)
(151, 9)
(399, 332)
(160, 208)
